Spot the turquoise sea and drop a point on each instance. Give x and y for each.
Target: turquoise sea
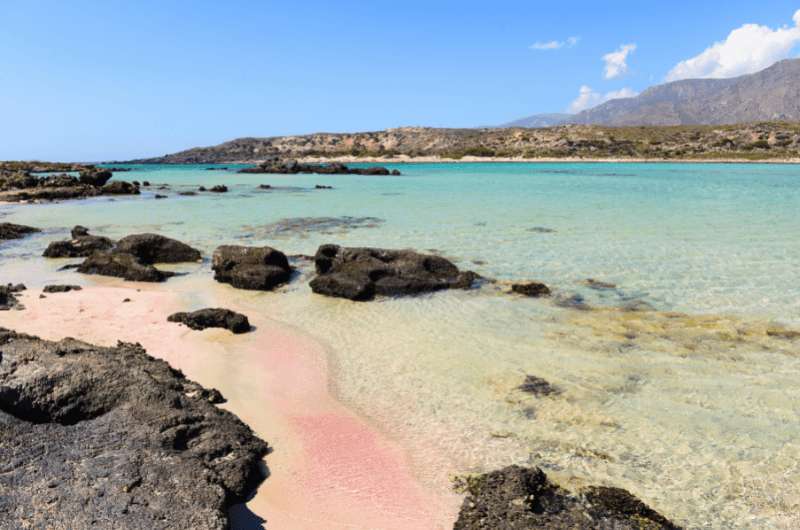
(693, 404)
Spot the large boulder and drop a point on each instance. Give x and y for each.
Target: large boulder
(120, 187)
(519, 498)
(154, 248)
(8, 297)
(213, 318)
(122, 265)
(81, 245)
(95, 177)
(257, 268)
(362, 273)
(14, 231)
(98, 437)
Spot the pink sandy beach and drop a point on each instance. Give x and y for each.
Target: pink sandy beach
(329, 468)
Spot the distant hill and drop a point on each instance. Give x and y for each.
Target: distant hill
(540, 120)
(772, 94)
(751, 142)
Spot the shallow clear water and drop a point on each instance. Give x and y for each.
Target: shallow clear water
(697, 413)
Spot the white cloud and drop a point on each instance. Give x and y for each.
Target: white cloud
(616, 62)
(588, 98)
(555, 44)
(747, 49)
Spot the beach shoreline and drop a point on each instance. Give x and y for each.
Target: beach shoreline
(328, 465)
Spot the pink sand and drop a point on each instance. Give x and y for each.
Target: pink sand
(329, 468)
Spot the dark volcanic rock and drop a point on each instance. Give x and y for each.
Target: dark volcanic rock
(81, 245)
(362, 273)
(122, 265)
(213, 318)
(518, 498)
(61, 288)
(257, 268)
(79, 191)
(219, 188)
(8, 298)
(154, 248)
(159, 196)
(95, 177)
(293, 167)
(187, 193)
(120, 187)
(94, 437)
(533, 289)
(13, 231)
(58, 181)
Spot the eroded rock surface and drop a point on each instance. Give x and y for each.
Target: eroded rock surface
(8, 296)
(362, 273)
(94, 437)
(256, 268)
(213, 318)
(122, 265)
(519, 498)
(532, 289)
(81, 245)
(293, 167)
(61, 288)
(154, 248)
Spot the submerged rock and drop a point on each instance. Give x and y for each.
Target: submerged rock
(81, 245)
(219, 188)
(96, 437)
(155, 248)
(362, 273)
(255, 268)
(122, 265)
(61, 288)
(213, 318)
(532, 289)
(538, 386)
(300, 226)
(14, 231)
(519, 498)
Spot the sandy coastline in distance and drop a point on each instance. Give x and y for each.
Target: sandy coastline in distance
(404, 159)
(329, 468)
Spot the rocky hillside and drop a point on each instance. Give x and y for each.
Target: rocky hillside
(770, 95)
(751, 142)
(540, 120)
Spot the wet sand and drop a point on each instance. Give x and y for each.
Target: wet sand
(328, 468)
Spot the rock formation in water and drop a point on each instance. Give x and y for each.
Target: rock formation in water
(14, 231)
(213, 318)
(155, 248)
(255, 268)
(18, 183)
(59, 288)
(122, 265)
(362, 273)
(518, 498)
(80, 245)
(95, 437)
(532, 289)
(293, 167)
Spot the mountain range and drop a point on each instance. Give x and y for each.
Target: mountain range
(772, 94)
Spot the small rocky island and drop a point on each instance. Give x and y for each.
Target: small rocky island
(280, 166)
(94, 437)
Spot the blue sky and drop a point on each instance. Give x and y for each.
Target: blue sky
(108, 79)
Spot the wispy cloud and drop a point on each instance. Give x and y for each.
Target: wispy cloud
(555, 44)
(617, 61)
(747, 49)
(588, 98)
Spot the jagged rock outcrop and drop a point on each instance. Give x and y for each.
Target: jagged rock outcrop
(15, 231)
(81, 245)
(213, 318)
(95, 177)
(519, 498)
(95, 437)
(255, 268)
(155, 248)
(362, 273)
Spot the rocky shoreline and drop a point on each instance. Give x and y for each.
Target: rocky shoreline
(111, 437)
(21, 183)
